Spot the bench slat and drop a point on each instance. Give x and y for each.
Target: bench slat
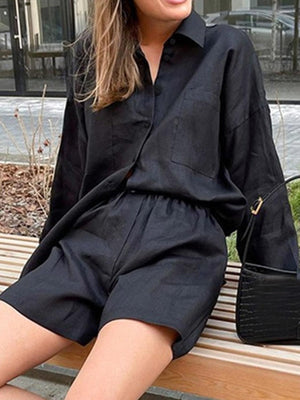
(11, 268)
(11, 274)
(231, 285)
(224, 307)
(19, 243)
(6, 281)
(260, 352)
(2, 288)
(234, 270)
(226, 299)
(21, 238)
(220, 334)
(213, 378)
(232, 337)
(247, 360)
(229, 292)
(232, 278)
(215, 323)
(7, 249)
(225, 316)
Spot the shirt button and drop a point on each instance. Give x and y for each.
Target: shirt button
(157, 90)
(172, 41)
(167, 57)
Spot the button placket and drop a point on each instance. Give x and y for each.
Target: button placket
(172, 41)
(157, 89)
(146, 125)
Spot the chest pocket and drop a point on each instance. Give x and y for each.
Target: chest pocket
(196, 132)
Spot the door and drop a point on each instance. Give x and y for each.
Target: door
(33, 54)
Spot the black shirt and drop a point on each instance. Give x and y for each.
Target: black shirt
(202, 132)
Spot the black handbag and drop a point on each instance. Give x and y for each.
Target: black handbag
(268, 299)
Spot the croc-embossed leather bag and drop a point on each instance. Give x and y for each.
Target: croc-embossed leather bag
(268, 298)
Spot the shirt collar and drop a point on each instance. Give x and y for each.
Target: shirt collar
(193, 27)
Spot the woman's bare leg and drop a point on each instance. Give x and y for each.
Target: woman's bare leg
(10, 392)
(24, 344)
(127, 357)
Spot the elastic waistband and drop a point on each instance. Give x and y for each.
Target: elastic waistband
(196, 203)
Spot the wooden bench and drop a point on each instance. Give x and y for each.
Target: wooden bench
(219, 366)
(46, 54)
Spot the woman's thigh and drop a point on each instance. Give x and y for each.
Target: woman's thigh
(24, 344)
(127, 357)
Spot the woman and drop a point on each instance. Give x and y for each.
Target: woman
(167, 141)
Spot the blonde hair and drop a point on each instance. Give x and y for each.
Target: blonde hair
(107, 62)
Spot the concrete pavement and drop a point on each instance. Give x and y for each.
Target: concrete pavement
(52, 383)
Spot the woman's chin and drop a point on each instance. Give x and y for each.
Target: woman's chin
(166, 10)
(177, 9)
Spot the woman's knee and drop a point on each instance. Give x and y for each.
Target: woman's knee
(126, 351)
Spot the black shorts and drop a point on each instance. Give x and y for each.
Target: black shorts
(145, 256)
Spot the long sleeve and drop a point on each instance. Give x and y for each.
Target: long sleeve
(252, 161)
(70, 163)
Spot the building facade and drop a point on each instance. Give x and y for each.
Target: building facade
(32, 33)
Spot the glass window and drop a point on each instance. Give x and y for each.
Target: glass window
(263, 22)
(239, 19)
(275, 48)
(82, 12)
(51, 21)
(263, 3)
(7, 81)
(4, 26)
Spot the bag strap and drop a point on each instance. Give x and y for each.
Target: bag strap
(254, 209)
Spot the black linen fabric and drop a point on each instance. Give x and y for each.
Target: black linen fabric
(143, 256)
(201, 132)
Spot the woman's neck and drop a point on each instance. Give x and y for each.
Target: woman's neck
(154, 33)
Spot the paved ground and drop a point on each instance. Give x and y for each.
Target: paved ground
(52, 383)
(285, 90)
